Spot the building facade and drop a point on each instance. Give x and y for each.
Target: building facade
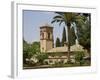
(46, 38)
(57, 54)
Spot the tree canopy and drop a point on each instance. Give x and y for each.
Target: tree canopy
(68, 18)
(30, 49)
(84, 33)
(58, 44)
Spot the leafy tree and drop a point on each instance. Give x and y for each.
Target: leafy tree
(79, 57)
(63, 36)
(25, 54)
(25, 51)
(68, 19)
(58, 42)
(36, 47)
(30, 49)
(84, 33)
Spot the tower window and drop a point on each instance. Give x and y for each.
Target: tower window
(48, 35)
(42, 35)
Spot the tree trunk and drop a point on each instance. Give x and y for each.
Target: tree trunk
(68, 26)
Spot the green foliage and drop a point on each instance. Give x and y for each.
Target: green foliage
(79, 57)
(30, 49)
(84, 34)
(36, 47)
(25, 51)
(63, 36)
(73, 36)
(68, 19)
(41, 57)
(58, 44)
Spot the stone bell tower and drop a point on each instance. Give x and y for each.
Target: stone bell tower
(46, 38)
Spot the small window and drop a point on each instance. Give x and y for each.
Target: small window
(42, 35)
(48, 35)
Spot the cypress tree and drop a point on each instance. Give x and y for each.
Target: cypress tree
(63, 36)
(58, 42)
(73, 36)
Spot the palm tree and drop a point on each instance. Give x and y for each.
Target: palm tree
(68, 19)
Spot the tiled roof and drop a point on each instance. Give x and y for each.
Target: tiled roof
(65, 48)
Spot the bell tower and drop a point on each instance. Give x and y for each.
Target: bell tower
(46, 38)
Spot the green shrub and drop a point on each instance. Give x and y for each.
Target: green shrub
(79, 58)
(41, 57)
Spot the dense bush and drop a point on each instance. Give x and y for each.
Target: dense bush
(41, 57)
(79, 58)
(29, 50)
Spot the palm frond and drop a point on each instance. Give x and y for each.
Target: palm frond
(81, 17)
(80, 22)
(57, 17)
(58, 21)
(60, 13)
(53, 21)
(61, 22)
